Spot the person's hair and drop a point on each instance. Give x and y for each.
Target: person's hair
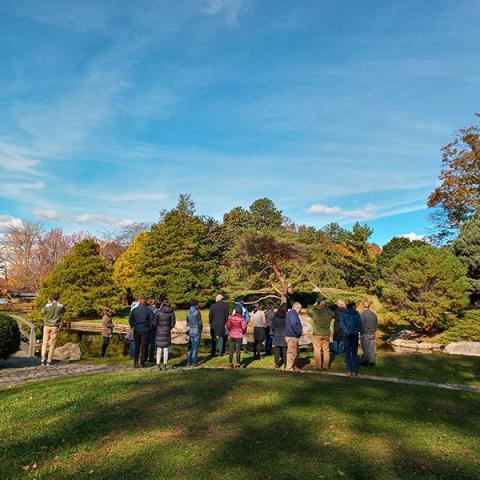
(366, 304)
(165, 303)
(258, 306)
(238, 309)
(282, 308)
(107, 310)
(341, 304)
(351, 304)
(152, 301)
(321, 303)
(194, 303)
(297, 304)
(219, 297)
(55, 296)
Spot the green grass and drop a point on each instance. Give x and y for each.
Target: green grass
(439, 368)
(236, 424)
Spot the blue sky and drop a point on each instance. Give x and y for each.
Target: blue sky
(334, 109)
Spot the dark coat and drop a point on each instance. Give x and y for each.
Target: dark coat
(164, 322)
(218, 316)
(278, 329)
(141, 318)
(293, 325)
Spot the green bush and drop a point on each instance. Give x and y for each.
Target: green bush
(9, 336)
(465, 329)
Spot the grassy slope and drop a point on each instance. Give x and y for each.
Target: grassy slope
(435, 368)
(242, 424)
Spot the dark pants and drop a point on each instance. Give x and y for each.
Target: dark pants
(235, 346)
(351, 349)
(280, 356)
(221, 343)
(268, 342)
(106, 341)
(152, 348)
(141, 346)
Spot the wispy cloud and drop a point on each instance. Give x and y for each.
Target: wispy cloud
(368, 212)
(95, 217)
(47, 214)
(7, 221)
(229, 9)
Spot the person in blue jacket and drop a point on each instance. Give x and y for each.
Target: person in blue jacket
(351, 324)
(293, 332)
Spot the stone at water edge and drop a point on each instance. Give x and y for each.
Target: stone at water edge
(69, 352)
(463, 348)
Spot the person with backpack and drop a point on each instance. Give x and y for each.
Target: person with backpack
(53, 312)
(195, 327)
(351, 324)
(237, 326)
(278, 332)
(164, 323)
(246, 317)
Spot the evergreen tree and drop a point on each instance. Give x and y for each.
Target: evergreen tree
(426, 286)
(178, 261)
(391, 249)
(84, 281)
(467, 248)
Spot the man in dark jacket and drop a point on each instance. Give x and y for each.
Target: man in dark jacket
(269, 314)
(140, 320)
(338, 345)
(351, 324)
(367, 335)
(218, 316)
(293, 332)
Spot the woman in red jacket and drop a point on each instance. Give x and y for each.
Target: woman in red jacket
(237, 327)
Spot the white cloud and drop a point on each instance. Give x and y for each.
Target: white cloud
(7, 221)
(414, 236)
(48, 214)
(95, 217)
(366, 213)
(230, 9)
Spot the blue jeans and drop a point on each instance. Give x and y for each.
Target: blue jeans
(193, 350)
(351, 349)
(268, 344)
(338, 347)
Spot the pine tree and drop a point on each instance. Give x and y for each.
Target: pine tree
(84, 281)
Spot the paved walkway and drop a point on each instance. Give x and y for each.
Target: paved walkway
(17, 376)
(19, 371)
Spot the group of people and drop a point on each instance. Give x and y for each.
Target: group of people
(276, 331)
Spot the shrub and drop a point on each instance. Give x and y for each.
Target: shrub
(427, 287)
(465, 329)
(9, 336)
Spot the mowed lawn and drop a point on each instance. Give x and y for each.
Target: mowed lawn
(236, 424)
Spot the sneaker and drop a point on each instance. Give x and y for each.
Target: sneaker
(42, 363)
(48, 364)
(238, 365)
(231, 365)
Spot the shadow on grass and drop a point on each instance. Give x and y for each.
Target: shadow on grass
(242, 425)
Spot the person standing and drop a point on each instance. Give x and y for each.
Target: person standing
(237, 326)
(338, 346)
(246, 317)
(322, 318)
(278, 332)
(217, 317)
(269, 313)
(351, 323)
(259, 330)
(153, 305)
(53, 312)
(195, 328)
(293, 332)
(107, 329)
(140, 320)
(368, 334)
(164, 323)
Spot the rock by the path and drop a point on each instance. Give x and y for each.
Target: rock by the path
(411, 346)
(69, 352)
(463, 348)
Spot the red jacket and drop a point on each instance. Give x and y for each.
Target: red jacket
(236, 325)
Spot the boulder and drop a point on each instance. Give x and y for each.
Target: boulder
(68, 353)
(179, 333)
(463, 348)
(410, 345)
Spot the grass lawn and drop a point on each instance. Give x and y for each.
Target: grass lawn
(236, 424)
(439, 367)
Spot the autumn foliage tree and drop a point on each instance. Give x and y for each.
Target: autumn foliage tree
(458, 195)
